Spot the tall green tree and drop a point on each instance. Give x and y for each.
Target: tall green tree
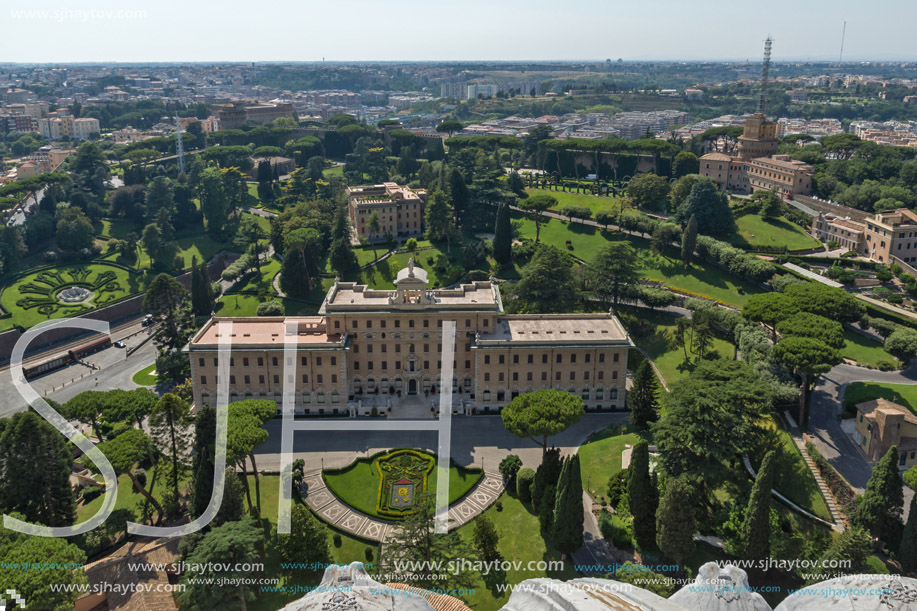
(689, 240)
(213, 200)
(675, 521)
(567, 526)
(485, 539)
(879, 509)
(55, 586)
(537, 205)
(806, 358)
(203, 457)
(35, 465)
(250, 235)
(438, 216)
(849, 552)
(685, 163)
(907, 550)
(756, 527)
(710, 206)
(201, 290)
(547, 473)
(503, 236)
(613, 273)
(223, 552)
(547, 284)
(642, 495)
(415, 542)
(458, 193)
(648, 190)
(169, 423)
(542, 413)
(307, 242)
(644, 396)
(307, 541)
(341, 253)
(169, 304)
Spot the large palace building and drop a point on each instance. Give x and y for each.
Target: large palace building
(382, 349)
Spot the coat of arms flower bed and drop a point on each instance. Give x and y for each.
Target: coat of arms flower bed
(389, 484)
(402, 477)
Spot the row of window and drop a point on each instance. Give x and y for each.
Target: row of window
(544, 358)
(260, 360)
(544, 376)
(247, 379)
(383, 324)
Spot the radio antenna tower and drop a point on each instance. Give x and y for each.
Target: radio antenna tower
(179, 147)
(843, 34)
(765, 74)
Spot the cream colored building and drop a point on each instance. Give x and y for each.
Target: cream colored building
(371, 348)
(757, 167)
(881, 424)
(400, 210)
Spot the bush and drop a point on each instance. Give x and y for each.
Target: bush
(643, 577)
(524, 478)
(605, 525)
(368, 553)
(617, 487)
(140, 475)
(886, 366)
(337, 540)
(509, 467)
(270, 308)
(895, 299)
(91, 492)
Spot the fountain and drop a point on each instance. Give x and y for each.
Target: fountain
(74, 294)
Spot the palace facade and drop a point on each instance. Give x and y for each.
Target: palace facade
(382, 349)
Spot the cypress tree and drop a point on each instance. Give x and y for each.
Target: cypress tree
(689, 240)
(567, 530)
(503, 236)
(643, 397)
(642, 495)
(907, 552)
(756, 528)
(546, 508)
(879, 510)
(205, 433)
(548, 472)
(675, 521)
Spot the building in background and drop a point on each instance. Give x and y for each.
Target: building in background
(400, 210)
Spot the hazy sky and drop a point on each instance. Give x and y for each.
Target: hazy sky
(351, 30)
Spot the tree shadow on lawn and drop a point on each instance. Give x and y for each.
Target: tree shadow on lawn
(670, 267)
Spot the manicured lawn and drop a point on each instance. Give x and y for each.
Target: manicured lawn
(520, 542)
(661, 347)
(792, 477)
(337, 170)
(358, 484)
(865, 351)
(700, 278)
(593, 202)
(145, 376)
(30, 307)
(264, 281)
(755, 231)
(128, 497)
(600, 456)
(235, 304)
(191, 244)
(903, 394)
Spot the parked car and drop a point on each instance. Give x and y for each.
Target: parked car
(120, 344)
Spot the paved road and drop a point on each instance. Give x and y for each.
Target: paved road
(111, 369)
(18, 218)
(826, 404)
(476, 441)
